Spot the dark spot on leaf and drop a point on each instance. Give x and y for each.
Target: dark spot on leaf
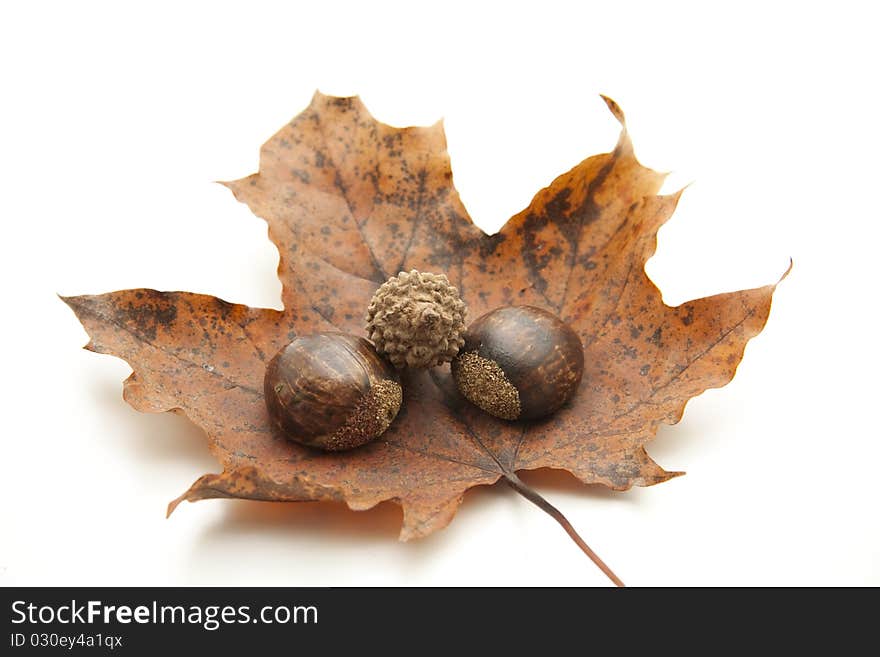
(302, 175)
(689, 316)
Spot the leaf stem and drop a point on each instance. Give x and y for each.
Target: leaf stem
(535, 498)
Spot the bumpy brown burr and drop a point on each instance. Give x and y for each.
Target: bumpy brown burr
(416, 319)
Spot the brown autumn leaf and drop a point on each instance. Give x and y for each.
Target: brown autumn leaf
(350, 201)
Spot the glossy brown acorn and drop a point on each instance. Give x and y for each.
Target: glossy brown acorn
(519, 362)
(331, 391)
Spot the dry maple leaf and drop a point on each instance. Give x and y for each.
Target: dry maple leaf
(350, 201)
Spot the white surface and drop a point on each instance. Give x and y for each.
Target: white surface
(115, 122)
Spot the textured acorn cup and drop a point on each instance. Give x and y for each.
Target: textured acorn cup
(519, 362)
(331, 391)
(416, 320)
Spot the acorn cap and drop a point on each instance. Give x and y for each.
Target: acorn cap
(417, 320)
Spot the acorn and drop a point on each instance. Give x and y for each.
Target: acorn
(416, 320)
(519, 362)
(331, 391)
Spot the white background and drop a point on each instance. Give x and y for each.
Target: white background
(116, 120)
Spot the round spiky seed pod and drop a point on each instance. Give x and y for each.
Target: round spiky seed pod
(417, 320)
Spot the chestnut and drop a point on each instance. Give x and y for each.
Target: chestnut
(331, 391)
(519, 362)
